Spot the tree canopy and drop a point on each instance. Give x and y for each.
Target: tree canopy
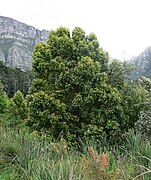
(71, 94)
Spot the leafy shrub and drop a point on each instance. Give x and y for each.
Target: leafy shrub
(3, 103)
(18, 106)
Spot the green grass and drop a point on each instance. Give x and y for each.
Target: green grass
(28, 156)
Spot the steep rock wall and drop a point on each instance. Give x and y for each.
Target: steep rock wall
(17, 41)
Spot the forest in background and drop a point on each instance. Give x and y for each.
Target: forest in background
(83, 117)
(14, 80)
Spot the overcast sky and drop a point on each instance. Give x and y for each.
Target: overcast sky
(123, 27)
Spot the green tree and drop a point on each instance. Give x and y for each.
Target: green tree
(71, 94)
(18, 106)
(144, 120)
(133, 93)
(119, 73)
(134, 101)
(3, 99)
(14, 80)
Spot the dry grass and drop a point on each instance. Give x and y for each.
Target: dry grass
(95, 166)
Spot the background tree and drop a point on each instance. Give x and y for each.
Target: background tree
(71, 93)
(134, 94)
(3, 99)
(119, 73)
(144, 121)
(134, 101)
(14, 80)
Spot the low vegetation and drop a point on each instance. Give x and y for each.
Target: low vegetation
(26, 155)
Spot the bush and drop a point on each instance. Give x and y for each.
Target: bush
(18, 106)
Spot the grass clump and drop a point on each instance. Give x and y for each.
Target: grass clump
(28, 155)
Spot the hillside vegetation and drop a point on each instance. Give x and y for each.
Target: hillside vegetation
(14, 80)
(82, 118)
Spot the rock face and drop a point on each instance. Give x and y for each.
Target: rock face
(17, 41)
(142, 64)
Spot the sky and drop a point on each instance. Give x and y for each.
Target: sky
(123, 27)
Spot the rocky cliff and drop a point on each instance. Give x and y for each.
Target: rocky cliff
(17, 41)
(142, 64)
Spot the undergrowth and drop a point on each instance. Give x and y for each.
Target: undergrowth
(28, 155)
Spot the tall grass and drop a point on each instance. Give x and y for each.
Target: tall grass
(138, 150)
(28, 156)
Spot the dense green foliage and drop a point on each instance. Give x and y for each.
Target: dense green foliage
(71, 94)
(144, 121)
(18, 106)
(134, 93)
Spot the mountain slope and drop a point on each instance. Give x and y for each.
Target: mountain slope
(142, 64)
(17, 41)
